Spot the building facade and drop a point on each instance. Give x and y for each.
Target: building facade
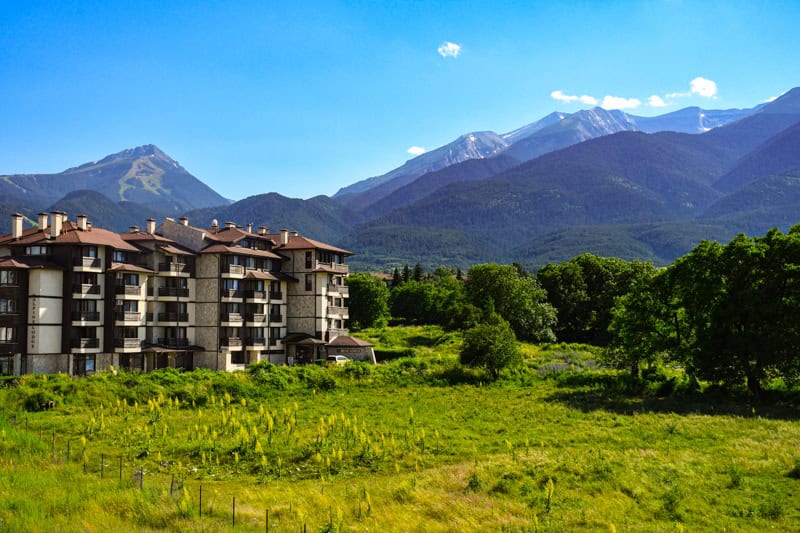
(76, 299)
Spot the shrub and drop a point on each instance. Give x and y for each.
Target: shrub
(491, 346)
(266, 374)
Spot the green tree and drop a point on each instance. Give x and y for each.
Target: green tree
(516, 296)
(369, 299)
(418, 273)
(584, 290)
(492, 346)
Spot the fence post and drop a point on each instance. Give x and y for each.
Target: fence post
(201, 500)
(171, 485)
(233, 513)
(68, 445)
(267, 523)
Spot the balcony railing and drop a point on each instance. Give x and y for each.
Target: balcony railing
(256, 341)
(173, 291)
(276, 295)
(86, 316)
(128, 343)
(233, 269)
(336, 267)
(85, 343)
(335, 332)
(173, 317)
(231, 317)
(173, 342)
(87, 262)
(127, 316)
(230, 293)
(172, 267)
(273, 341)
(87, 288)
(275, 318)
(255, 317)
(258, 295)
(230, 341)
(132, 290)
(339, 311)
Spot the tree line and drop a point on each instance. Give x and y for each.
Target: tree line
(724, 313)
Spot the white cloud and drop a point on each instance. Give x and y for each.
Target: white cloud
(584, 98)
(616, 102)
(416, 150)
(448, 49)
(703, 87)
(656, 101)
(678, 95)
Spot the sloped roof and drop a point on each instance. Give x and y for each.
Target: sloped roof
(350, 342)
(28, 262)
(127, 267)
(223, 249)
(298, 242)
(70, 234)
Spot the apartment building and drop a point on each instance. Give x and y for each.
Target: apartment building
(75, 298)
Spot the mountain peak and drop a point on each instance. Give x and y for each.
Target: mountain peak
(146, 150)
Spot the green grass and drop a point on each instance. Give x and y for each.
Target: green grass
(394, 448)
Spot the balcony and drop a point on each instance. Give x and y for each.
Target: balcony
(255, 317)
(255, 295)
(128, 343)
(335, 332)
(274, 341)
(255, 342)
(231, 293)
(275, 318)
(338, 311)
(231, 317)
(85, 316)
(87, 262)
(85, 343)
(276, 295)
(86, 289)
(230, 342)
(173, 317)
(234, 270)
(175, 292)
(173, 342)
(128, 290)
(173, 268)
(335, 267)
(127, 316)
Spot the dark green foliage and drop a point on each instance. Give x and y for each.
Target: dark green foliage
(369, 301)
(583, 291)
(727, 313)
(491, 346)
(516, 296)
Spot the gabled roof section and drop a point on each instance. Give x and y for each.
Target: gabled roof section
(298, 242)
(345, 341)
(238, 250)
(28, 263)
(127, 267)
(71, 234)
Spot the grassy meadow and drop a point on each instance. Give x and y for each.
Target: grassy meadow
(415, 444)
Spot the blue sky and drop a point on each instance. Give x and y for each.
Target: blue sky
(302, 98)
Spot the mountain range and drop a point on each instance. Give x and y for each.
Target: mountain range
(596, 180)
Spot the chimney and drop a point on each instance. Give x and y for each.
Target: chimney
(134, 229)
(262, 230)
(185, 221)
(82, 220)
(284, 237)
(249, 228)
(43, 221)
(16, 225)
(230, 225)
(55, 228)
(214, 224)
(151, 225)
(294, 234)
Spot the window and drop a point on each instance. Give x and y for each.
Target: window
(126, 333)
(237, 358)
(6, 365)
(36, 250)
(275, 287)
(308, 259)
(127, 279)
(7, 305)
(84, 306)
(8, 277)
(7, 334)
(89, 251)
(120, 256)
(309, 283)
(84, 278)
(83, 365)
(230, 284)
